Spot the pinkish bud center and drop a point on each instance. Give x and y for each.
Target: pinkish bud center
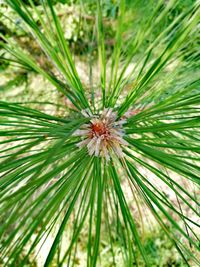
(99, 129)
(103, 134)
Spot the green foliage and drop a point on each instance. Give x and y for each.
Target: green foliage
(52, 189)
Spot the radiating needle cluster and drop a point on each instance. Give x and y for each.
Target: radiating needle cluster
(103, 134)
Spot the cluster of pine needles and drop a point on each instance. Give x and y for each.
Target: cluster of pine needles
(149, 84)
